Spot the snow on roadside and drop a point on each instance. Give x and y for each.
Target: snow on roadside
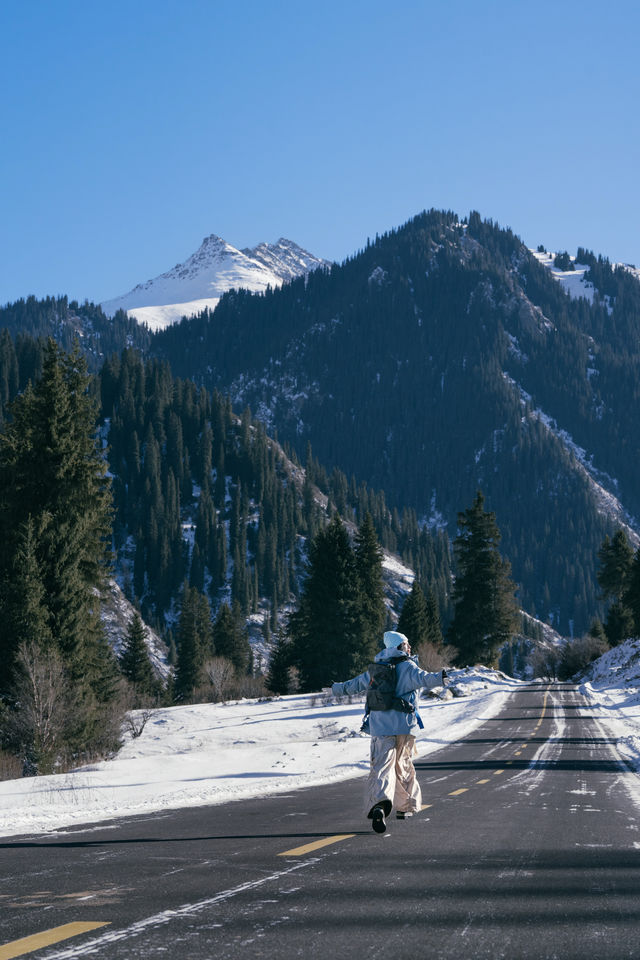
(612, 687)
(213, 753)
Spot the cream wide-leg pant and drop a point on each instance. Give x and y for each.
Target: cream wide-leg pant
(392, 776)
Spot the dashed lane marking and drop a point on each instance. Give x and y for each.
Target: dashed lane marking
(18, 948)
(309, 847)
(456, 793)
(496, 772)
(482, 781)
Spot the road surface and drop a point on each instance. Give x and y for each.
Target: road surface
(528, 846)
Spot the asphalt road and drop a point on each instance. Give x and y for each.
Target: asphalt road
(528, 847)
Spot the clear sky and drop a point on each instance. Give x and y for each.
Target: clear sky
(131, 129)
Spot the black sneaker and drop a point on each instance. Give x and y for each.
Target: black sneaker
(379, 823)
(401, 815)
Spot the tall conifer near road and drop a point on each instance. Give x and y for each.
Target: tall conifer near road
(134, 659)
(194, 641)
(368, 555)
(55, 531)
(53, 483)
(484, 605)
(327, 631)
(413, 622)
(230, 640)
(615, 575)
(434, 633)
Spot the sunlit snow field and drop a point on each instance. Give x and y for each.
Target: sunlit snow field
(213, 753)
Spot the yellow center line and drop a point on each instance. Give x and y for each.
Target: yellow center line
(496, 772)
(482, 781)
(456, 793)
(308, 847)
(425, 806)
(17, 948)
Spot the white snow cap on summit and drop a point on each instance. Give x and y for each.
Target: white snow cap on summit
(213, 269)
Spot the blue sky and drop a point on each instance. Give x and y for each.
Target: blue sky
(133, 129)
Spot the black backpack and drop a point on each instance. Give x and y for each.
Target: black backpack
(381, 694)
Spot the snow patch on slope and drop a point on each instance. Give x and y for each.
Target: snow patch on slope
(572, 281)
(608, 504)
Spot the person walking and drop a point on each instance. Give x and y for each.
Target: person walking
(392, 721)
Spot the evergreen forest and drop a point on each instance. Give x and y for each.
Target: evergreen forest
(202, 496)
(440, 360)
(444, 358)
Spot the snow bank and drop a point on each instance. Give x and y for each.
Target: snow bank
(214, 753)
(613, 689)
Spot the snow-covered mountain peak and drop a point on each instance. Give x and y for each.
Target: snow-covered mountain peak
(215, 267)
(284, 258)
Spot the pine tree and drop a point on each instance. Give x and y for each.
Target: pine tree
(53, 483)
(484, 606)
(434, 624)
(368, 555)
(618, 577)
(230, 640)
(414, 622)
(27, 616)
(134, 659)
(193, 637)
(327, 630)
(204, 625)
(616, 558)
(632, 593)
(277, 679)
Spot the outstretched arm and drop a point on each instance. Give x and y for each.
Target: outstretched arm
(418, 679)
(350, 687)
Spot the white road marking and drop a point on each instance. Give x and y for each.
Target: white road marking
(160, 919)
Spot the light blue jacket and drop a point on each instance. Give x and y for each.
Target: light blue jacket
(410, 679)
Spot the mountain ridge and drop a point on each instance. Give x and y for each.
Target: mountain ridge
(442, 358)
(419, 364)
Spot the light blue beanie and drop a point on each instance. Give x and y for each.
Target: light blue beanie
(393, 639)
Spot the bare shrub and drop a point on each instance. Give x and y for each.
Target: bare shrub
(251, 687)
(10, 766)
(221, 682)
(545, 662)
(432, 657)
(578, 654)
(136, 720)
(38, 722)
(221, 676)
